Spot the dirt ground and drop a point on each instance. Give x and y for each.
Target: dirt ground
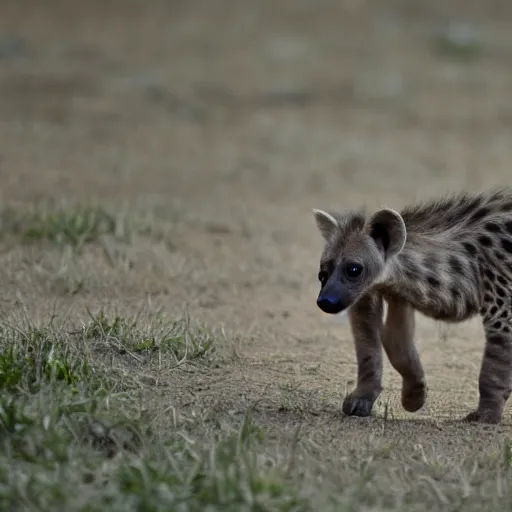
(223, 124)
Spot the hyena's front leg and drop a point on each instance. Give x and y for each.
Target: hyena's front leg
(495, 381)
(366, 323)
(398, 341)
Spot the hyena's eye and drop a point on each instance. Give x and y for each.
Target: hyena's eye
(322, 277)
(353, 270)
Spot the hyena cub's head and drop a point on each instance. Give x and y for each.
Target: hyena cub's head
(356, 254)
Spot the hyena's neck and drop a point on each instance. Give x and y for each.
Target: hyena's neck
(434, 280)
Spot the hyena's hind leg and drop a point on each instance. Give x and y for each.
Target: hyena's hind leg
(398, 341)
(366, 323)
(495, 381)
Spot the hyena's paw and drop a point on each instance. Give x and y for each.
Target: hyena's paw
(358, 406)
(414, 395)
(489, 416)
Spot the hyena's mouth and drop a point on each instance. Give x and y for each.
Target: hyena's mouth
(337, 318)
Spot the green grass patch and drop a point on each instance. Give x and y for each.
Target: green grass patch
(73, 435)
(34, 357)
(73, 462)
(72, 226)
(180, 338)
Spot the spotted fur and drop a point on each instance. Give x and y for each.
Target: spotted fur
(450, 259)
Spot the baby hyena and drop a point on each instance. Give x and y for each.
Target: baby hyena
(449, 259)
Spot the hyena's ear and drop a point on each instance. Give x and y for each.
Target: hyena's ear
(326, 223)
(388, 230)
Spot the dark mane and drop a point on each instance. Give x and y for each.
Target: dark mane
(455, 209)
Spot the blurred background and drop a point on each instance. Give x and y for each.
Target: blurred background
(297, 102)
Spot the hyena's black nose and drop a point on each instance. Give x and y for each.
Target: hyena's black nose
(329, 304)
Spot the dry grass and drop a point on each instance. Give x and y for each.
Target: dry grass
(82, 428)
(75, 434)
